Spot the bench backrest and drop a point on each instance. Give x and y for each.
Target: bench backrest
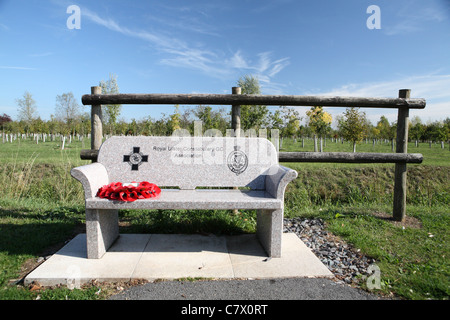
(189, 162)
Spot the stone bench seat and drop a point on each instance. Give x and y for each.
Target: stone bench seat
(194, 200)
(208, 173)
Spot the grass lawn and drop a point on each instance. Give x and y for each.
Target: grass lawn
(43, 207)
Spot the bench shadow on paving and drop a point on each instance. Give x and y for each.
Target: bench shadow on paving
(173, 256)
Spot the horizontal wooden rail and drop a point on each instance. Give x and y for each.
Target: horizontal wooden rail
(242, 99)
(88, 154)
(337, 157)
(350, 157)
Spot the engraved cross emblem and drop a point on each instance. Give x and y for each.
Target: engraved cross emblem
(135, 158)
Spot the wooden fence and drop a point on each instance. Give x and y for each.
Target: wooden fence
(403, 103)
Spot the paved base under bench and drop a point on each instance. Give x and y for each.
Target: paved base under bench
(172, 256)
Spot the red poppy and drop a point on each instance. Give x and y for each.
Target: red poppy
(133, 195)
(144, 184)
(115, 186)
(123, 196)
(114, 196)
(129, 192)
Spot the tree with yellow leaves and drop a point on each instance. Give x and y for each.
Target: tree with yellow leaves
(320, 123)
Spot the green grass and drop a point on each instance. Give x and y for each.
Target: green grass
(28, 227)
(44, 207)
(50, 151)
(21, 150)
(413, 261)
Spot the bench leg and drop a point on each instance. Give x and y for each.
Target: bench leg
(269, 229)
(102, 229)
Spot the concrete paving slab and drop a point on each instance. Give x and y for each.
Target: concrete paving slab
(70, 264)
(172, 256)
(158, 256)
(297, 260)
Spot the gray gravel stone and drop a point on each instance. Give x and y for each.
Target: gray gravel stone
(347, 263)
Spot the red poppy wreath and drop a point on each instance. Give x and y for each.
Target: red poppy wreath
(129, 192)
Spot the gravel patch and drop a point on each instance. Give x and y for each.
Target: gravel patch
(347, 264)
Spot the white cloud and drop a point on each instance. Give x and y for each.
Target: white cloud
(432, 87)
(112, 25)
(412, 18)
(181, 54)
(278, 65)
(38, 55)
(263, 66)
(17, 68)
(264, 69)
(192, 58)
(264, 62)
(429, 86)
(237, 61)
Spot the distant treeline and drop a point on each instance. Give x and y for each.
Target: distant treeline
(352, 125)
(285, 119)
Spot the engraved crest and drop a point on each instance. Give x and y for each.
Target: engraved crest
(237, 161)
(135, 158)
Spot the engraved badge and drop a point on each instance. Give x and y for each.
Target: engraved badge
(237, 161)
(135, 158)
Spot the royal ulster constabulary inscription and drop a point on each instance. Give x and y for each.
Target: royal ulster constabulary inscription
(135, 158)
(237, 161)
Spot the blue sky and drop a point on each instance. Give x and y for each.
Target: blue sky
(294, 47)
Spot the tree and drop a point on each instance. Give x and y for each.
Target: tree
(276, 120)
(447, 128)
(186, 121)
(173, 122)
(436, 131)
(27, 110)
(67, 110)
(4, 119)
(112, 111)
(416, 129)
(252, 117)
(39, 126)
(291, 121)
(319, 122)
(211, 119)
(353, 126)
(387, 131)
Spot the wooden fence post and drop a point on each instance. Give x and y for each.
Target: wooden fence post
(236, 114)
(96, 122)
(236, 124)
(400, 187)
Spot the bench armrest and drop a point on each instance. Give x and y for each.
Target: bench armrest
(92, 176)
(277, 179)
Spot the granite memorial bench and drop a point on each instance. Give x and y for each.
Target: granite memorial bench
(208, 173)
